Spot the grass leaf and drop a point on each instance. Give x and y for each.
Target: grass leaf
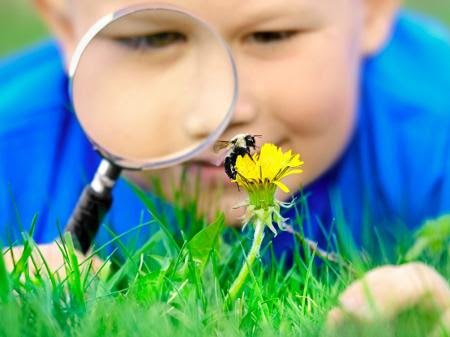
(203, 243)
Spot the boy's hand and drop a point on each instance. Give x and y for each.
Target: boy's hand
(54, 258)
(385, 292)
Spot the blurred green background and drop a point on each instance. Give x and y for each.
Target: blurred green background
(20, 25)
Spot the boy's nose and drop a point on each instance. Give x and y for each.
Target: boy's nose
(244, 113)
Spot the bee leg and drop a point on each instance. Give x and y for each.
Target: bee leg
(247, 151)
(233, 176)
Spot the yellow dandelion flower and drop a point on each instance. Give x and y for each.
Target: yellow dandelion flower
(267, 168)
(260, 175)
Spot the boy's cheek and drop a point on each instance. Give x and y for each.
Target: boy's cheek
(313, 111)
(316, 90)
(318, 118)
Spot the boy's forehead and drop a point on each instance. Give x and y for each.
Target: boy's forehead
(220, 12)
(201, 4)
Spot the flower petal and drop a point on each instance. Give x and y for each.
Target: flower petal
(282, 186)
(270, 161)
(247, 168)
(289, 172)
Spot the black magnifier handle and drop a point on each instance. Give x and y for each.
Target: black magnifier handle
(93, 204)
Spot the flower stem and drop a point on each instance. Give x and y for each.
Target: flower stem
(254, 251)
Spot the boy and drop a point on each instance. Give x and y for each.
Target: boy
(357, 90)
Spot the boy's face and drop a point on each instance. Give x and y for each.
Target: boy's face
(298, 66)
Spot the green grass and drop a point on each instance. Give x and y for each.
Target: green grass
(176, 283)
(437, 8)
(20, 25)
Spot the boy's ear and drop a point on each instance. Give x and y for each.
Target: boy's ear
(379, 20)
(56, 15)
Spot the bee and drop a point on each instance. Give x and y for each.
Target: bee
(239, 145)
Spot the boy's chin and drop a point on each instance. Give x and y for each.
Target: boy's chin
(232, 217)
(225, 201)
(214, 195)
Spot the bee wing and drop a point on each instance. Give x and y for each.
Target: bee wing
(220, 145)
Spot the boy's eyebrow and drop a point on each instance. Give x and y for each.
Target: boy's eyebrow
(267, 11)
(247, 14)
(146, 23)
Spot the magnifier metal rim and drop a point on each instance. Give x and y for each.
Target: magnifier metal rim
(173, 160)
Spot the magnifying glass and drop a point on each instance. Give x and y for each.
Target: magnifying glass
(152, 86)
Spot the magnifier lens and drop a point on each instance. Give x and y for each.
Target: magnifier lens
(152, 87)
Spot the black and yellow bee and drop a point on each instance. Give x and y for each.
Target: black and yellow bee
(239, 145)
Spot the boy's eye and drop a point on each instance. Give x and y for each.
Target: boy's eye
(271, 36)
(152, 41)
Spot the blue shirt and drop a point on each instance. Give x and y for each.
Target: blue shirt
(394, 173)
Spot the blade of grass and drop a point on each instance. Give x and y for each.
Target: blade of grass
(73, 273)
(5, 287)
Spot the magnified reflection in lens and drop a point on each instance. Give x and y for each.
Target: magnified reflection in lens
(145, 79)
